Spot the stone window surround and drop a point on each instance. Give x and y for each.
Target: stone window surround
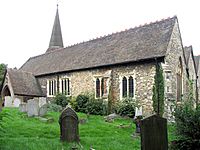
(60, 85)
(168, 74)
(168, 87)
(60, 82)
(53, 87)
(107, 86)
(127, 77)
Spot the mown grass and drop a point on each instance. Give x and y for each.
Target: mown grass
(23, 133)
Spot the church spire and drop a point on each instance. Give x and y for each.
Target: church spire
(56, 40)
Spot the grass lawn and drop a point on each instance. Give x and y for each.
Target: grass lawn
(23, 133)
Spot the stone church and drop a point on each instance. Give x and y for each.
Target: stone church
(124, 62)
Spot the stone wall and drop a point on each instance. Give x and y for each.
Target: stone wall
(172, 62)
(192, 73)
(84, 81)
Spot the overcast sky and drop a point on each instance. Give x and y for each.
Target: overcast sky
(26, 25)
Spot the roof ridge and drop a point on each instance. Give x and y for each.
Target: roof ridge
(107, 35)
(20, 71)
(122, 31)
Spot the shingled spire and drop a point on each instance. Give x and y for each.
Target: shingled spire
(56, 41)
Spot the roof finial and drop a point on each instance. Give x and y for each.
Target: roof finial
(57, 3)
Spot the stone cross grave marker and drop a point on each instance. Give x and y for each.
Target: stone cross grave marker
(69, 131)
(154, 133)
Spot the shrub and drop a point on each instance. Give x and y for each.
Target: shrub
(126, 107)
(81, 103)
(73, 103)
(187, 122)
(158, 91)
(54, 107)
(61, 100)
(96, 107)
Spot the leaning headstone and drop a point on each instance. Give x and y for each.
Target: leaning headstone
(69, 131)
(43, 110)
(33, 107)
(23, 107)
(154, 133)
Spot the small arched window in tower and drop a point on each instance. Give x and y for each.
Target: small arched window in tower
(124, 87)
(131, 86)
(97, 88)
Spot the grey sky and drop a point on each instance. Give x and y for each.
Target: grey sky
(26, 25)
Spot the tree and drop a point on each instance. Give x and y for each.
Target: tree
(2, 72)
(158, 91)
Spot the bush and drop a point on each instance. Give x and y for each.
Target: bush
(81, 103)
(96, 107)
(187, 122)
(126, 107)
(61, 100)
(54, 107)
(88, 104)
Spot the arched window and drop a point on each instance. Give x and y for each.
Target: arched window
(131, 86)
(102, 86)
(65, 86)
(97, 88)
(68, 87)
(124, 87)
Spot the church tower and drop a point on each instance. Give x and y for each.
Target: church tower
(56, 41)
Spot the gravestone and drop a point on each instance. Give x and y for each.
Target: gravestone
(42, 101)
(154, 133)
(23, 107)
(68, 121)
(16, 102)
(33, 107)
(8, 101)
(43, 110)
(138, 117)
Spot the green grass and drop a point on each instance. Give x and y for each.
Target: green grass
(23, 133)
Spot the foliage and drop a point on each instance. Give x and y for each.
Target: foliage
(87, 103)
(187, 124)
(81, 102)
(158, 91)
(96, 107)
(54, 107)
(3, 115)
(61, 99)
(126, 107)
(73, 103)
(2, 72)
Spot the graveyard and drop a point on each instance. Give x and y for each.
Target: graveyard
(23, 132)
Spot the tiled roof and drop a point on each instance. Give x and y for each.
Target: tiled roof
(139, 43)
(24, 83)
